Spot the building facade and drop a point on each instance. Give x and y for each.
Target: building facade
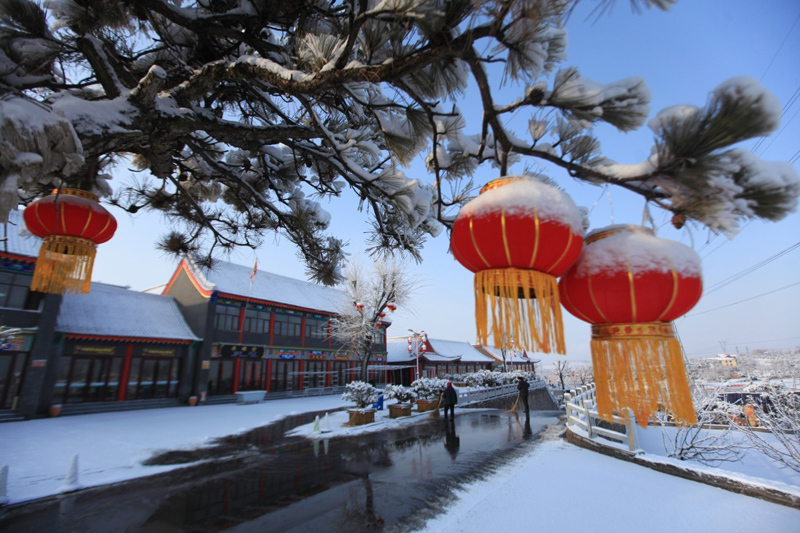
(262, 331)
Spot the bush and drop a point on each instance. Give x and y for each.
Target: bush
(399, 393)
(360, 393)
(428, 388)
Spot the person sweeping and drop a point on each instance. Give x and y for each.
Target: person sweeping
(522, 387)
(450, 399)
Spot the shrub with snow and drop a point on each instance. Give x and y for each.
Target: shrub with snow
(360, 393)
(399, 393)
(428, 388)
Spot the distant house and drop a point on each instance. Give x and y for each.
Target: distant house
(724, 359)
(272, 333)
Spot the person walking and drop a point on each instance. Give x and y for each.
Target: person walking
(522, 387)
(450, 400)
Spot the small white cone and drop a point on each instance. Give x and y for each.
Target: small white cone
(71, 482)
(3, 484)
(316, 424)
(325, 428)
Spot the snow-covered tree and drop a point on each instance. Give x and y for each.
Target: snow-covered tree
(369, 297)
(561, 370)
(245, 113)
(361, 393)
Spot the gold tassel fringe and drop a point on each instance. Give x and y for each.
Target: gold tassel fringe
(525, 309)
(64, 265)
(640, 366)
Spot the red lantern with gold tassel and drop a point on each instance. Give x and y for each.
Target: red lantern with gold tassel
(630, 285)
(71, 224)
(518, 236)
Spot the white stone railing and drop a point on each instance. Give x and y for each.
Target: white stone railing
(582, 419)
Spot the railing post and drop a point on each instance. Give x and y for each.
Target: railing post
(633, 437)
(567, 406)
(588, 418)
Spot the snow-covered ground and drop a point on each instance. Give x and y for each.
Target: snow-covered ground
(555, 487)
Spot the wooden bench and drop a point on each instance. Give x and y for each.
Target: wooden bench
(249, 396)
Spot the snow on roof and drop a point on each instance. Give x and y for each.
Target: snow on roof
(116, 311)
(444, 352)
(397, 350)
(512, 356)
(464, 351)
(234, 279)
(17, 240)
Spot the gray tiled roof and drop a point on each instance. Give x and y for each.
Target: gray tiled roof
(120, 312)
(235, 279)
(15, 239)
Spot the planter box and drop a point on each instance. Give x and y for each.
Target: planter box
(427, 405)
(359, 417)
(396, 410)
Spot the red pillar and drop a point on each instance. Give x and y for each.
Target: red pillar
(301, 374)
(269, 373)
(241, 323)
(237, 366)
(328, 374)
(125, 374)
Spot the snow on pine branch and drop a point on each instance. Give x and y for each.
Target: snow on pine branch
(249, 115)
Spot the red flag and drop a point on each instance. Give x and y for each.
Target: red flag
(253, 273)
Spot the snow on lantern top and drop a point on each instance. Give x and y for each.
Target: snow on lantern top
(624, 246)
(518, 194)
(518, 222)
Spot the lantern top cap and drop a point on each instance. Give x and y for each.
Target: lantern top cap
(602, 233)
(68, 191)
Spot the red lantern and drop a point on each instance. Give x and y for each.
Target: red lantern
(630, 285)
(518, 236)
(71, 224)
(392, 307)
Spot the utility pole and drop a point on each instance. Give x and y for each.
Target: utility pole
(416, 342)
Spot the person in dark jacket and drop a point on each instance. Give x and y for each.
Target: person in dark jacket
(450, 400)
(522, 387)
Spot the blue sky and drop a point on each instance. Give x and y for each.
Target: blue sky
(682, 54)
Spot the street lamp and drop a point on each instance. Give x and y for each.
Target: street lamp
(418, 344)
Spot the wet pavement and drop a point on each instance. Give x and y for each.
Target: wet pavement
(262, 481)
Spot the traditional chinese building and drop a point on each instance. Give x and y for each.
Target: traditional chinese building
(119, 345)
(434, 358)
(25, 355)
(514, 359)
(263, 331)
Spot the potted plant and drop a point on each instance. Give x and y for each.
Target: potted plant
(428, 391)
(363, 395)
(404, 398)
(55, 410)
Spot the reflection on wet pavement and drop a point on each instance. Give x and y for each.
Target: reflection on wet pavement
(262, 481)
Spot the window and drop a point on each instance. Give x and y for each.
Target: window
(378, 336)
(287, 326)
(256, 321)
(316, 328)
(14, 289)
(227, 318)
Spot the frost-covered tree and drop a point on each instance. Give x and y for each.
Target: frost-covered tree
(245, 113)
(369, 295)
